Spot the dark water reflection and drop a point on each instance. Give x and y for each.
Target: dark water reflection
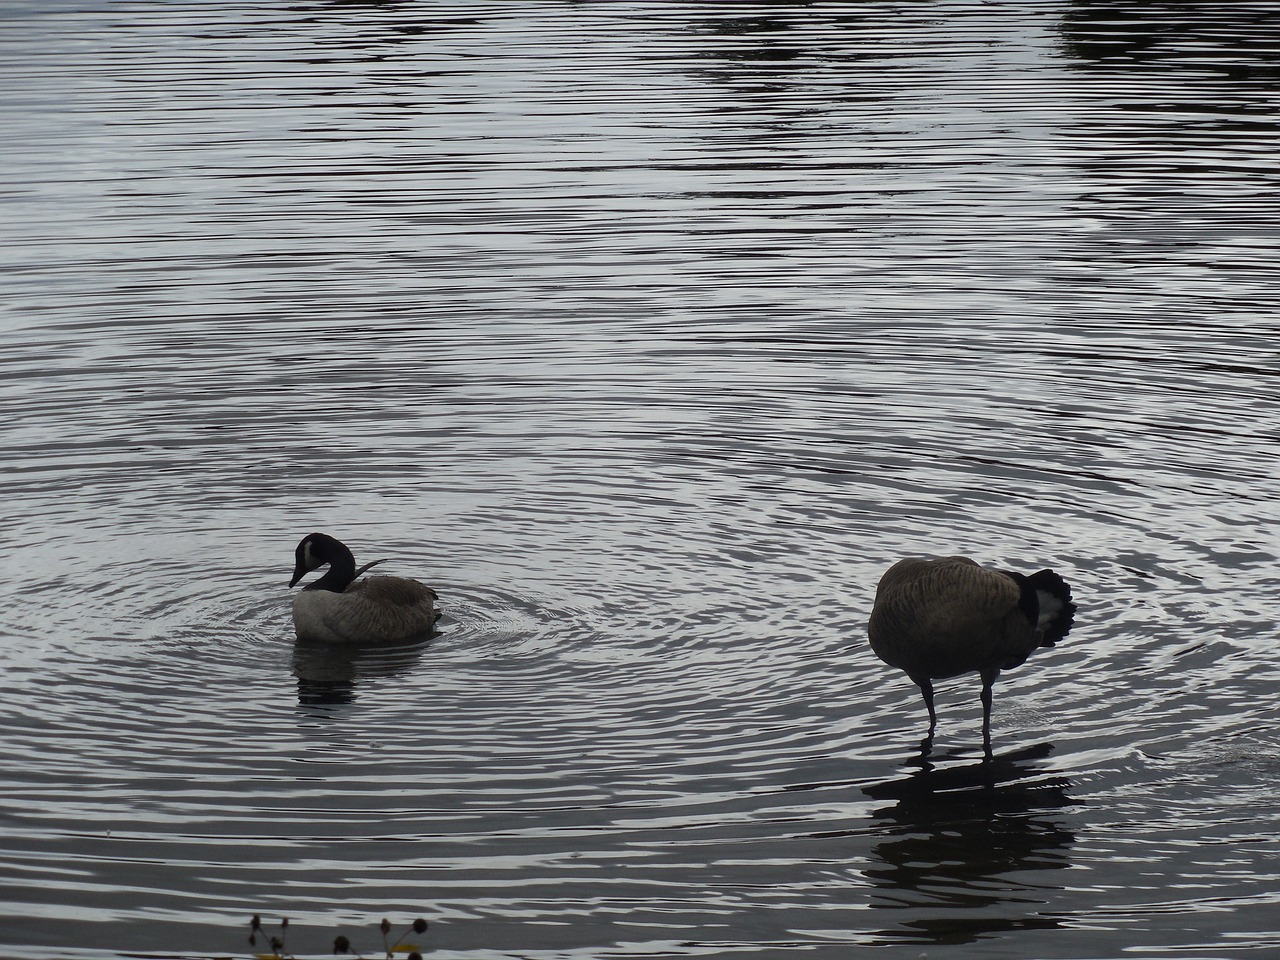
(329, 675)
(1200, 40)
(959, 841)
(649, 334)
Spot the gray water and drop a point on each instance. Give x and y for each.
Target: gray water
(649, 334)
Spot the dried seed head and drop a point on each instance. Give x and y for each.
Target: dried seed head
(419, 926)
(341, 944)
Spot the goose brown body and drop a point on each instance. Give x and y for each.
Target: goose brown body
(338, 608)
(939, 618)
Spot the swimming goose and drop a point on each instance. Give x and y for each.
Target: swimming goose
(940, 618)
(337, 608)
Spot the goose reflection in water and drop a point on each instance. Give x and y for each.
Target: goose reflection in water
(328, 674)
(967, 849)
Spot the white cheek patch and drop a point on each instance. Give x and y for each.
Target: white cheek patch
(1050, 607)
(309, 558)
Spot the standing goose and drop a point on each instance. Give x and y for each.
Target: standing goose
(337, 608)
(940, 618)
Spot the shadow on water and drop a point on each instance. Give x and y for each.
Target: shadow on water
(328, 675)
(763, 62)
(965, 848)
(1237, 41)
(1177, 97)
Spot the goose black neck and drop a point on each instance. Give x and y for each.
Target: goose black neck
(342, 570)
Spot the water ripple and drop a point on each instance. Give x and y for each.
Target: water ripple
(648, 334)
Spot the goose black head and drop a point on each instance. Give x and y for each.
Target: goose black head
(315, 550)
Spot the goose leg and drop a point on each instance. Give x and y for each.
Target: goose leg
(926, 691)
(988, 678)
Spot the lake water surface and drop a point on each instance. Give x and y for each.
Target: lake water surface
(649, 333)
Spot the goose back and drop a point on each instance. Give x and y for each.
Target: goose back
(944, 617)
(373, 610)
